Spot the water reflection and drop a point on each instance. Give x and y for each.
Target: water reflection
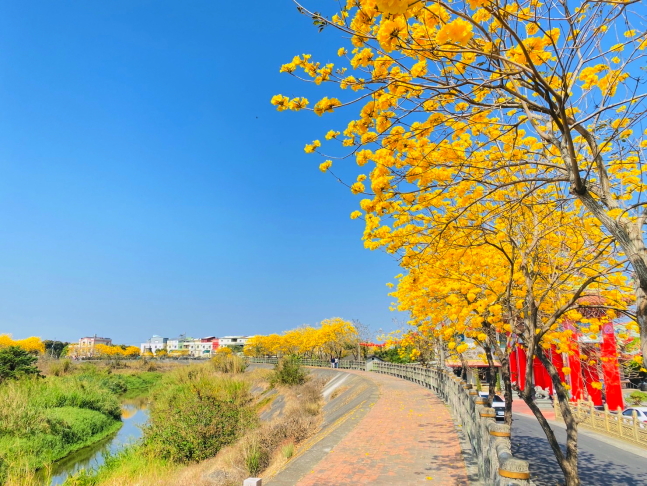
(134, 414)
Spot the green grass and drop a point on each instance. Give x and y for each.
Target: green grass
(195, 411)
(70, 430)
(43, 420)
(125, 467)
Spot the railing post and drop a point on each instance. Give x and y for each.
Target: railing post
(606, 418)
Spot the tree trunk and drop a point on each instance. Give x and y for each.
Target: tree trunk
(507, 388)
(641, 316)
(630, 238)
(568, 462)
(491, 374)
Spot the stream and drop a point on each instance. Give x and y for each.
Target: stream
(134, 414)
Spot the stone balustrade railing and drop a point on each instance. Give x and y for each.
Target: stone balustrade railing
(489, 440)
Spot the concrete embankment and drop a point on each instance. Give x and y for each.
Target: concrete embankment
(348, 398)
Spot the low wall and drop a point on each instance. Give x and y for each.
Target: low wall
(490, 441)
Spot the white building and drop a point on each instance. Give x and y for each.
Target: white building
(197, 348)
(178, 343)
(153, 345)
(86, 346)
(234, 340)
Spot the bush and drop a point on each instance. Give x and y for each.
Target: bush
(288, 450)
(638, 397)
(61, 368)
(79, 392)
(256, 459)
(195, 413)
(288, 371)
(229, 363)
(15, 363)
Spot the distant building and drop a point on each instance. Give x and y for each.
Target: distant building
(234, 340)
(184, 345)
(178, 345)
(153, 345)
(215, 342)
(200, 348)
(87, 345)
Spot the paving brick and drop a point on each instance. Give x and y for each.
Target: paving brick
(406, 438)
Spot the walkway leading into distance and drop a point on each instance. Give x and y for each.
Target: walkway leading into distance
(406, 437)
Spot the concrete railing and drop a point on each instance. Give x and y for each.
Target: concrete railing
(344, 365)
(628, 428)
(490, 441)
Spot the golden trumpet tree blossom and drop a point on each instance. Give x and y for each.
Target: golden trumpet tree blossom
(330, 338)
(454, 101)
(31, 344)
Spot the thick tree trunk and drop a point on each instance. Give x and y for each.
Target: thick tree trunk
(568, 462)
(641, 316)
(507, 388)
(630, 237)
(491, 374)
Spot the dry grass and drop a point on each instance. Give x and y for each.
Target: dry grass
(66, 366)
(264, 450)
(338, 391)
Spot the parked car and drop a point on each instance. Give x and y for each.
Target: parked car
(498, 404)
(641, 413)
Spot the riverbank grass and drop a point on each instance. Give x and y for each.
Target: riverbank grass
(43, 420)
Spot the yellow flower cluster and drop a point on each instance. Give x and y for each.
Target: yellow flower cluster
(331, 337)
(487, 149)
(30, 344)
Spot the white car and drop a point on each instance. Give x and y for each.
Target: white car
(641, 413)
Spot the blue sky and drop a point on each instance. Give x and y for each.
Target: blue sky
(147, 186)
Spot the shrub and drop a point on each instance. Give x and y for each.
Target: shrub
(288, 371)
(256, 459)
(638, 397)
(229, 363)
(15, 363)
(62, 367)
(195, 413)
(288, 450)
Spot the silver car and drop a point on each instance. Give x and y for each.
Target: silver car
(641, 413)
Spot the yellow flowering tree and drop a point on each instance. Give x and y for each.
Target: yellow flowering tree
(32, 344)
(530, 277)
(332, 337)
(457, 100)
(117, 351)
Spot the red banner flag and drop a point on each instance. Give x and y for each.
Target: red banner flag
(610, 369)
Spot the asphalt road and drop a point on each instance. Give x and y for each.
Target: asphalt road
(600, 463)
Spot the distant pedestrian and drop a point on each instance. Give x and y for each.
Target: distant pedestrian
(336, 362)
(332, 362)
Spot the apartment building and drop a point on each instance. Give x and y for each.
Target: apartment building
(153, 345)
(188, 346)
(234, 340)
(87, 346)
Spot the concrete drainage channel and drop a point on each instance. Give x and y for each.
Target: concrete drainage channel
(348, 398)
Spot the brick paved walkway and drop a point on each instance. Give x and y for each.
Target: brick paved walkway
(406, 438)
